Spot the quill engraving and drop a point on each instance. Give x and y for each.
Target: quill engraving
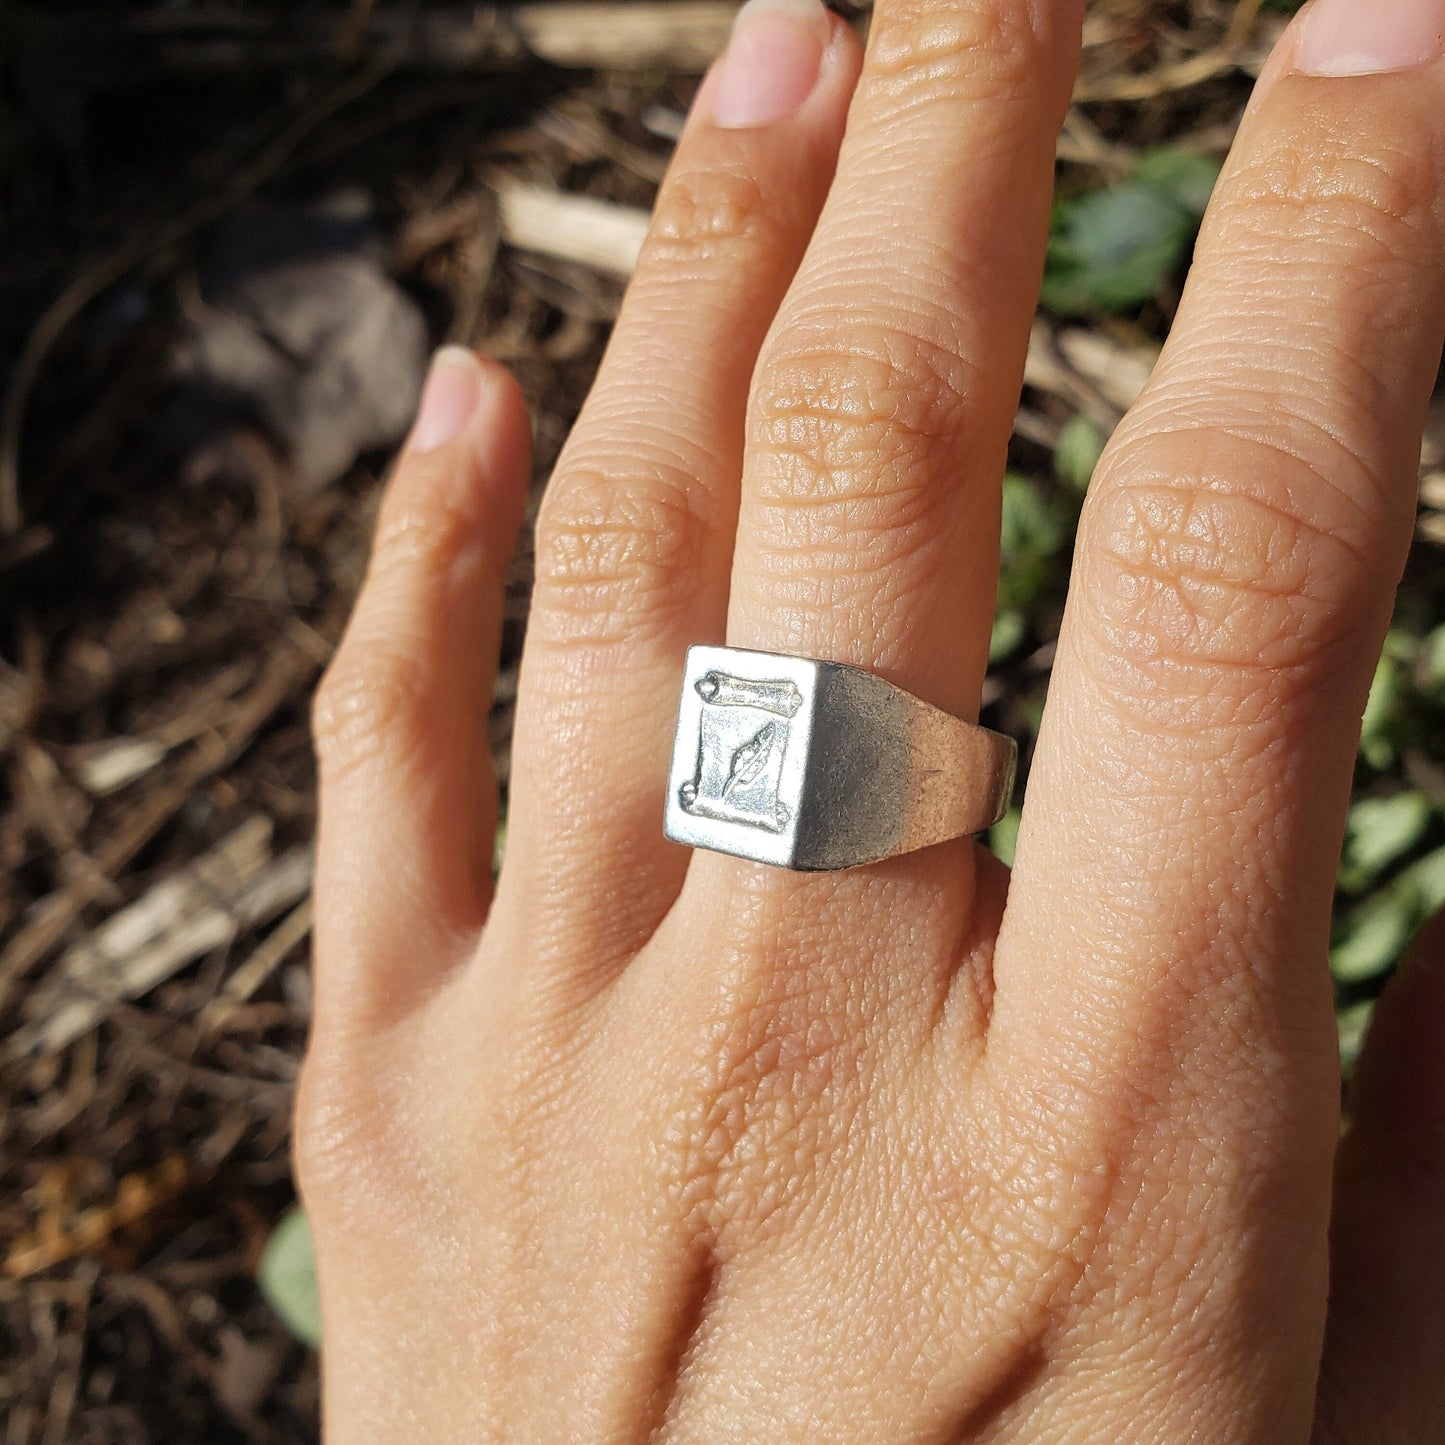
(751, 758)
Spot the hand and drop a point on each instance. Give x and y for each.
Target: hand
(655, 1145)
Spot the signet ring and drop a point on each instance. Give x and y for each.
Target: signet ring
(816, 766)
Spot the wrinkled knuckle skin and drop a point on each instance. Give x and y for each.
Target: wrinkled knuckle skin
(364, 705)
(870, 427)
(711, 222)
(856, 466)
(1323, 189)
(617, 555)
(1190, 584)
(319, 1141)
(421, 544)
(336, 1130)
(366, 1155)
(969, 51)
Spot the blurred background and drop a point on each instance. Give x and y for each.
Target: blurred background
(229, 238)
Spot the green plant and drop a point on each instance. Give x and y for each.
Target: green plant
(1109, 250)
(287, 1277)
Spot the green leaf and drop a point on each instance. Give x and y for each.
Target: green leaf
(1380, 832)
(1110, 250)
(1034, 530)
(1080, 445)
(1377, 746)
(1373, 936)
(1432, 662)
(1353, 1023)
(1009, 628)
(1003, 837)
(1031, 527)
(1188, 179)
(1423, 885)
(287, 1277)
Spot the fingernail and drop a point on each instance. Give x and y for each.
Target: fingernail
(1369, 37)
(772, 62)
(453, 387)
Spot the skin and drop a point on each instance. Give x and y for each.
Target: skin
(671, 1146)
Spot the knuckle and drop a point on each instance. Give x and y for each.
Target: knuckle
(710, 220)
(872, 425)
(1325, 188)
(363, 1141)
(617, 556)
(367, 702)
(977, 50)
(420, 542)
(336, 1129)
(363, 705)
(1191, 575)
(855, 459)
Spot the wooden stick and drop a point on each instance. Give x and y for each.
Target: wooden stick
(599, 234)
(1118, 372)
(1087, 369)
(289, 671)
(1194, 71)
(265, 959)
(234, 886)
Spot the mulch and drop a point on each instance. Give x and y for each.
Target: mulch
(172, 584)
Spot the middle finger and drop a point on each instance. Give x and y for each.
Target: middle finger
(885, 396)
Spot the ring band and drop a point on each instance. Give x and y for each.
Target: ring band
(815, 766)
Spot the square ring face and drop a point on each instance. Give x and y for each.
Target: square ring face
(740, 754)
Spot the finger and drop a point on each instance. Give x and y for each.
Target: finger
(408, 799)
(884, 401)
(635, 535)
(1160, 979)
(1234, 575)
(1386, 1336)
(879, 422)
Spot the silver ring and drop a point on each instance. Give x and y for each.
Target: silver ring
(812, 765)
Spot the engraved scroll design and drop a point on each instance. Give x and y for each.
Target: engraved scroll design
(721, 690)
(748, 761)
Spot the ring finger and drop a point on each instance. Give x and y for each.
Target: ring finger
(885, 396)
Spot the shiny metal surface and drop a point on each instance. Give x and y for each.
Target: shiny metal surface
(812, 765)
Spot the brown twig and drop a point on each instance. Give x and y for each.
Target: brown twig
(290, 933)
(288, 673)
(1234, 52)
(190, 912)
(1241, 27)
(1183, 75)
(137, 1196)
(66, 1387)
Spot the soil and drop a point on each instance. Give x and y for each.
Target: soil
(172, 583)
